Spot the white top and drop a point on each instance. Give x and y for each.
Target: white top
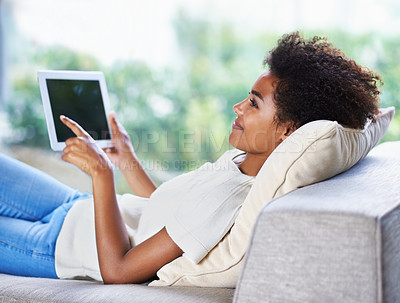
(197, 208)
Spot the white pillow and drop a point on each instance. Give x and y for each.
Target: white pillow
(314, 152)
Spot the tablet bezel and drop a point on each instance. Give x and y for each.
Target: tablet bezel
(43, 75)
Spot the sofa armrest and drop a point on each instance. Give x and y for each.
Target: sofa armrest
(335, 241)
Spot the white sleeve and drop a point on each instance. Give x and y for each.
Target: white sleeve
(198, 225)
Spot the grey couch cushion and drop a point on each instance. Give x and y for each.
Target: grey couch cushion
(34, 290)
(335, 241)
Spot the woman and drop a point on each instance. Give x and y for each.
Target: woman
(306, 81)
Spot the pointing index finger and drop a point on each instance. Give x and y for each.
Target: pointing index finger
(75, 127)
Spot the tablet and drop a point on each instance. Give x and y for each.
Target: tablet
(79, 95)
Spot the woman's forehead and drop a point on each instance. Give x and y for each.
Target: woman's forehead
(265, 84)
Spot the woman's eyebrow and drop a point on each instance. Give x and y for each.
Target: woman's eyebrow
(256, 93)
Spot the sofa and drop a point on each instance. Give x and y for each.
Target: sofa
(334, 241)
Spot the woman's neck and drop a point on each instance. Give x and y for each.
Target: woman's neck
(252, 163)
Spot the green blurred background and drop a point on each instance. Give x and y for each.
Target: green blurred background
(178, 114)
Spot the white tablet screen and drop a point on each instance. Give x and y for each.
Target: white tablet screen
(80, 100)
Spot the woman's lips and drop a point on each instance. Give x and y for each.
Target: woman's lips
(236, 125)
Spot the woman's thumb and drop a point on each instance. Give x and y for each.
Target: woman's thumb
(113, 122)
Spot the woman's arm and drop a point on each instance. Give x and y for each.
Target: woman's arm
(123, 155)
(118, 262)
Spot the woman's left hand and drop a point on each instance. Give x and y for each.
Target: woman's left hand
(83, 151)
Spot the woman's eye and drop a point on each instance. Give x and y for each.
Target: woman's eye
(253, 103)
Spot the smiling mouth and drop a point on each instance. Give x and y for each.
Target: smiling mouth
(236, 125)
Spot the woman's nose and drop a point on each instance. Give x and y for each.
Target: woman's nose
(238, 107)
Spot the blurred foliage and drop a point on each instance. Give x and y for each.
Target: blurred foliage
(180, 116)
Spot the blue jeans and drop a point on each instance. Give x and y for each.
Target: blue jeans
(33, 207)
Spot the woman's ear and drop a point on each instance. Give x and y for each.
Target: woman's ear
(288, 129)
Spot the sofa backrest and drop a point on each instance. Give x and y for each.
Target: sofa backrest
(334, 241)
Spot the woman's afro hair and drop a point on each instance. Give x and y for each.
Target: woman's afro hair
(317, 81)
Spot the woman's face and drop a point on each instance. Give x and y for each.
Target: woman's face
(254, 130)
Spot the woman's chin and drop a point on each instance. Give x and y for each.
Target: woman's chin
(234, 140)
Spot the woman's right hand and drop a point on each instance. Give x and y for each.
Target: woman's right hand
(123, 156)
(122, 153)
